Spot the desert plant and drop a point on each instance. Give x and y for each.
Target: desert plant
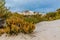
(16, 25)
(28, 28)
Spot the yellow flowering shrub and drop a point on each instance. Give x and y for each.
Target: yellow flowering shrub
(7, 30)
(16, 24)
(28, 28)
(2, 31)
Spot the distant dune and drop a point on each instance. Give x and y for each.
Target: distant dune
(47, 30)
(27, 12)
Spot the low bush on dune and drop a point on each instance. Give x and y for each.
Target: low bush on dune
(15, 25)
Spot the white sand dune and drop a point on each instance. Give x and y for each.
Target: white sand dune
(47, 30)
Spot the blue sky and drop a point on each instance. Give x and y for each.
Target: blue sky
(33, 5)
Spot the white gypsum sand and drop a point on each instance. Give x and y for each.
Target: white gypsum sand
(47, 30)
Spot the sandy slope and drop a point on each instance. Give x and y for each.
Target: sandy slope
(47, 30)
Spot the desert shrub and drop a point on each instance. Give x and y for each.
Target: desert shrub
(2, 31)
(28, 28)
(7, 30)
(15, 24)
